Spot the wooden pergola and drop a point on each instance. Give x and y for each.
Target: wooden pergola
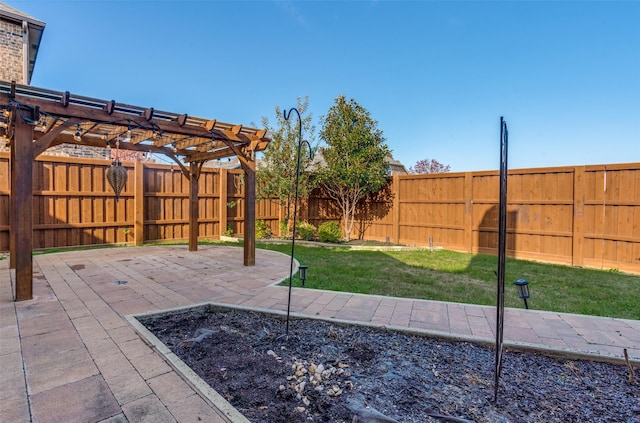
(34, 119)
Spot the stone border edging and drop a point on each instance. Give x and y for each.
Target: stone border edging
(380, 247)
(203, 388)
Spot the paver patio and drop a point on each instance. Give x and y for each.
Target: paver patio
(70, 355)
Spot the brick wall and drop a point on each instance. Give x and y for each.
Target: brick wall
(11, 57)
(11, 53)
(71, 150)
(86, 152)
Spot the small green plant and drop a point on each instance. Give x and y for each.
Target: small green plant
(284, 228)
(305, 230)
(232, 204)
(229, 231)
(262, 230)
(127, 231)
(330, 231)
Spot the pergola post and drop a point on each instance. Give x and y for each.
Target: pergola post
(250, 214)
(194, 230)
(22, 202)
(12, 209)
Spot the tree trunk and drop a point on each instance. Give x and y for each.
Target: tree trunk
(345, 220)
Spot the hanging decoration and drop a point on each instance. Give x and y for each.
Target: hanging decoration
(117, 174)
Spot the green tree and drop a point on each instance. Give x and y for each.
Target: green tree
(276, 173)
(354, 158)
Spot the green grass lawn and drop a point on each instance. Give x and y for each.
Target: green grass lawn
(467, 278)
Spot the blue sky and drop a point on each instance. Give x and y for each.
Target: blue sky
(436, 76)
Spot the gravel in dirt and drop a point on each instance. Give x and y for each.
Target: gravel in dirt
(326, 372)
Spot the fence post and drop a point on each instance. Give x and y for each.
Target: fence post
(395, 231)
(577, 253)
(468, 211)
(138, 203)
(222, 194)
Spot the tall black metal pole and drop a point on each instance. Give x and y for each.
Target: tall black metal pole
(502, 249)
(295, 205)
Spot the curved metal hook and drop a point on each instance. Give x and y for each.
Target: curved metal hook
(288, 115)
(308, 146)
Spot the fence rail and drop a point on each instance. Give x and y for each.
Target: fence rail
(582, 215)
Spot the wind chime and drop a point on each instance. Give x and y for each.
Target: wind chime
(117, 174)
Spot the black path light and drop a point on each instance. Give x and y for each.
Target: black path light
(303, 273)
(523, 290)
(287, 115)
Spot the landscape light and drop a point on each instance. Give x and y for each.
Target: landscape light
(303, 273)
(523, 290)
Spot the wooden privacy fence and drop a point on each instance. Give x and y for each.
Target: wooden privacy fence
(74, 205)
(583, 215)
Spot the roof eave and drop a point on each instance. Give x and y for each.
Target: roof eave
(35, 36)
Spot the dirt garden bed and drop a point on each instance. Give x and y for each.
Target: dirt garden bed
(327, 372)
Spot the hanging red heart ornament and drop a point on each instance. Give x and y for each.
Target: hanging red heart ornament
(117, 177)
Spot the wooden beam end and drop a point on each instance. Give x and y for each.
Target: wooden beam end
(210, 124)
(148, 114)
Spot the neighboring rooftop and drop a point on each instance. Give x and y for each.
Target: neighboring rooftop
(395, 166)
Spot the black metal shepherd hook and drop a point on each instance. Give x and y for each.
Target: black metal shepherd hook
(502, 248)
(295, 203)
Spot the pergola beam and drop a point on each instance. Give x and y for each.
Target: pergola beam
(100, 115)
(46, 140)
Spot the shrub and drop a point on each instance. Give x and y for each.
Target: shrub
(284, 228)
(330, 231)
(262, 230)
(229, 231)
(306, 230)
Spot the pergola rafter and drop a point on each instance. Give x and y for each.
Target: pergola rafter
(37, 119)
